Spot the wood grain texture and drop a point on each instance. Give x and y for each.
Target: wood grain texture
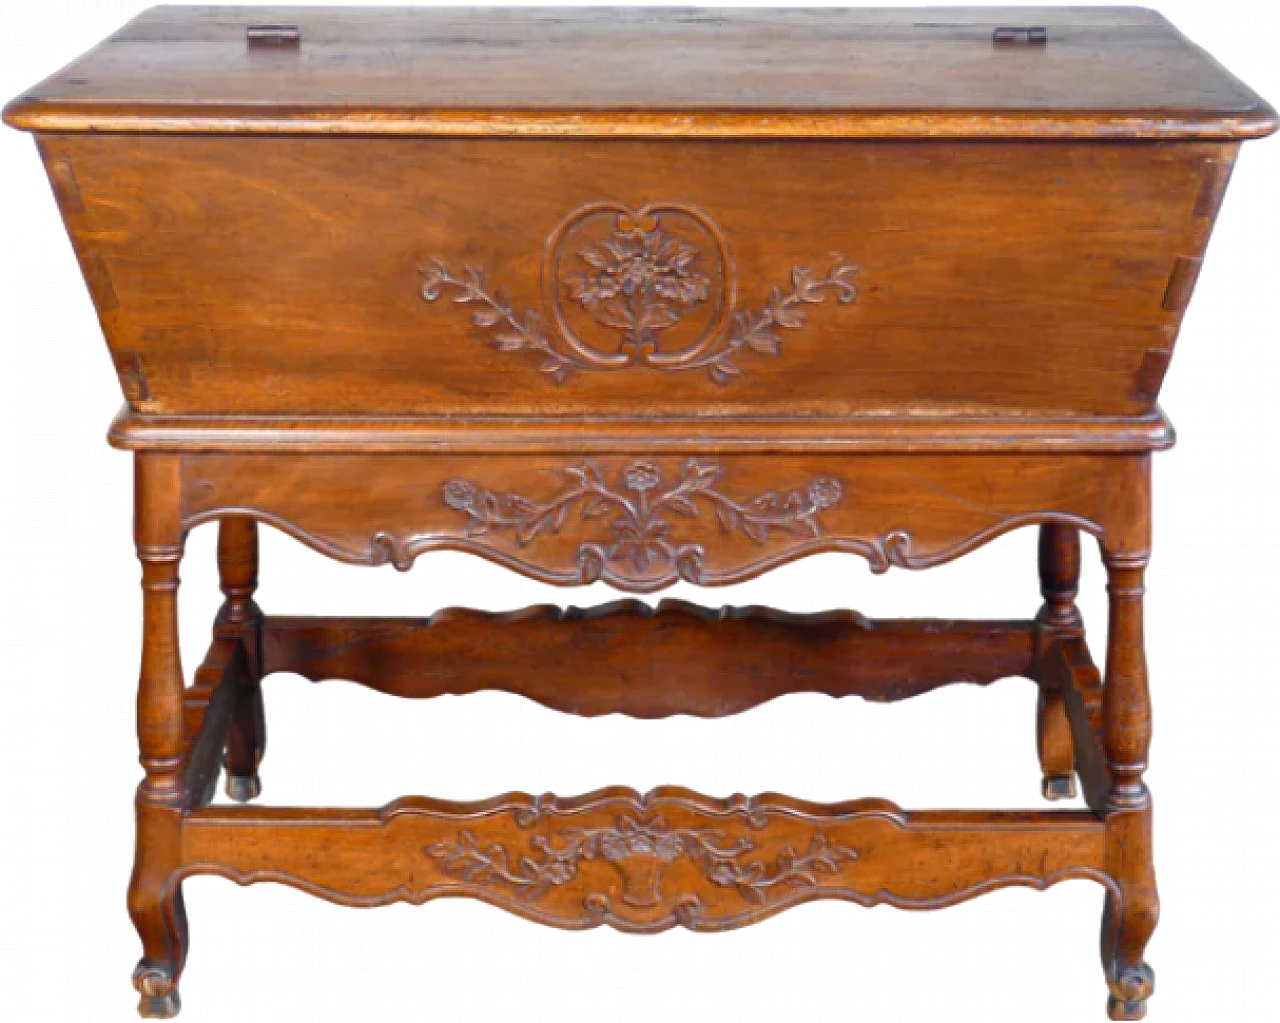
(629, 658)
(234, 281)
(641, 523)
(1070, 668)
(241, 618)
(208, 752)
(1059, 564)
(1121, 72)
(644, 863)
(131, 431)
(641, 297)
(1133, 909)
(154, 899)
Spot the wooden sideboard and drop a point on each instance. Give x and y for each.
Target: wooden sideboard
(642, 296)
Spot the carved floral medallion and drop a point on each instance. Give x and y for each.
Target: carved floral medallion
(654, 286)
(640, 510)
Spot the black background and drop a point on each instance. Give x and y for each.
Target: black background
(268, 954)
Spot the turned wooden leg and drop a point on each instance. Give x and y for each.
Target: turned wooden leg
(155, 896)
(1132, 911)
(240, 616)
(1059, 580)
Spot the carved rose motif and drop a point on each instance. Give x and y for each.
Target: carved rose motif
(642, 476)
(824, 492)
(459, 494)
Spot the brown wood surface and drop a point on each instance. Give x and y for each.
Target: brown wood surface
(632, 659)
(1102, 73)
(894, 434)
(347, 277)
(867, 282)
(241, 619)
(208, 706)
(642, 523)
(155, 898)
(644, 863)
(1069, 670)
(1059, 563)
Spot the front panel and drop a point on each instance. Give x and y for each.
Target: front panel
(630, 278)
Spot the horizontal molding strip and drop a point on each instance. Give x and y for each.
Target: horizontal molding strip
(509, 435)
(33, 114)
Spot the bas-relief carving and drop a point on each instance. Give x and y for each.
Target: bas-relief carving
(640, 510)
(640, 527)
(639, 849)
(673, 857)
(654, 286)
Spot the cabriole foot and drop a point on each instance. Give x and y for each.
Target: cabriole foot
(1129, 994)
(159, 994)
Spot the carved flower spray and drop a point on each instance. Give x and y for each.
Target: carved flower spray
(636, 283)
(636, 507)
(639, 280)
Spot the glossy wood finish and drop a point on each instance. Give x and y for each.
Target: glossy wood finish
(628, 658)
(599, 865)
(1059, 559)
(222, 275)
(1068, 668)
(782, 73)
(642, 523)
(1132, 911)
(685, 435)
(888, 283)
(645, 863)
(208, 706)
(240, 618)
(155, 896)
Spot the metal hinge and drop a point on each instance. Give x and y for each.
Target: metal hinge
(280, 37)
(1019, 36)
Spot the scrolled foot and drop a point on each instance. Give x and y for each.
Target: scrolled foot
(159, 993)
(1130, 991)
(1058, 786)
(243, 788)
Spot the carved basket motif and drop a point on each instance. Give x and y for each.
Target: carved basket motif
(640, 848)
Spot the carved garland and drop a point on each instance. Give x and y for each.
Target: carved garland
(640, 850)
(638, 282)
(635, 509)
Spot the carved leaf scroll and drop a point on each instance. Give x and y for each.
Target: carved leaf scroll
(640, 849)
(640, 511)
(643, 864)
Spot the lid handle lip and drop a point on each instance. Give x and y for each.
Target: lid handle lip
(281, 37)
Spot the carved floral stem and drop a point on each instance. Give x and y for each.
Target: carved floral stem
(757, 331)
(640, 531)
(493, 311)
(639, 849)
(668, 286)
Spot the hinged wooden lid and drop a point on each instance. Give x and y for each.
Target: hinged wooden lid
(892, 73)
